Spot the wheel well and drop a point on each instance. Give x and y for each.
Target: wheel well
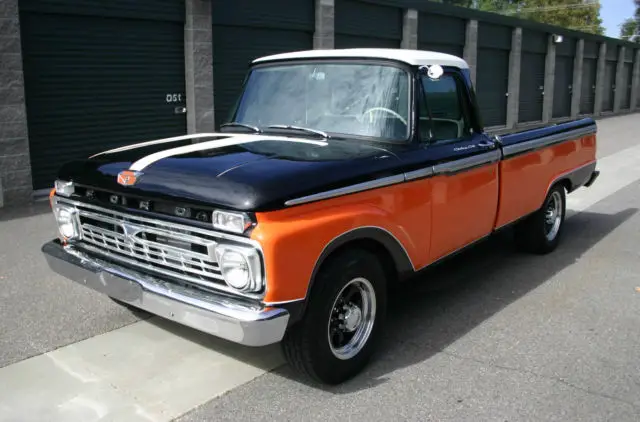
(371, 245)
(374, 247)
(566, 183)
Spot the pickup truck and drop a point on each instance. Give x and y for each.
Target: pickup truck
(338, 174)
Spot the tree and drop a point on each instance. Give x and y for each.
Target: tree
(637, 19)
(580, 15)
(628, 29)
(572, 14)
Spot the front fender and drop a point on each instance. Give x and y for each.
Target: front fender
(295, 240)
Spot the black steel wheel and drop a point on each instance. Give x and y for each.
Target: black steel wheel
(541, 232)
(343, 321)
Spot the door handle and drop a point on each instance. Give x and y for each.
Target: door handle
(179, 110)
(486, 144)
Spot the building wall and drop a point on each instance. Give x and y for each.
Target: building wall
(15, 166)
(221, 38)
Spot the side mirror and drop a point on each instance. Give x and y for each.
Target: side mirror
(434, 71)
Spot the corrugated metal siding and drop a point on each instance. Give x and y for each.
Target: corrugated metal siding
(627, 79)
(534, 41)
(359, 24)
(591, 50)
(358, 41)
(531, 87)
(277, 14)
(563, 86)
(94, 83)
(629, 54)
(612, 52)
(456, 50)
(609, 83)
(167, 10)
(492, 83)
(245, 30)
(494, 36)
(567, 47)
(441, 33)
(587, 97)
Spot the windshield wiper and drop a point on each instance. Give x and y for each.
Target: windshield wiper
(255, 129)
(302, 129)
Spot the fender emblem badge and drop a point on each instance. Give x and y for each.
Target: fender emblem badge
(128, 177)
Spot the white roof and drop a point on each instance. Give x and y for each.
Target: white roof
(412, 57)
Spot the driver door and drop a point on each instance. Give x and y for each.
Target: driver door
(464, 194)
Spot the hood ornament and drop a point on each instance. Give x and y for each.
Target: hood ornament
(128, 177)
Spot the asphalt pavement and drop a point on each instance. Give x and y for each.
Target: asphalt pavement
(492, 335)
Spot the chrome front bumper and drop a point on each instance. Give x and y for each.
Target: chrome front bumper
(207, 312)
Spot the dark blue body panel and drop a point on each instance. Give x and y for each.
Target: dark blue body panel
(528, 135)
(254, 176)
(263, 175)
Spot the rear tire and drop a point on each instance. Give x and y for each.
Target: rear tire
(347, 308)
(540, 233)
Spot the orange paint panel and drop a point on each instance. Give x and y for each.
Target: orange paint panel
(430, 218)
(293, 238)
(526, 178)
(463, 209)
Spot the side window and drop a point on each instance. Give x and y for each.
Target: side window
(444, 110)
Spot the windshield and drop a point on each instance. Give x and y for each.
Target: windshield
(339, 98)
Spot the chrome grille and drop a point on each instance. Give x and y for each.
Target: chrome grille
(182, 252)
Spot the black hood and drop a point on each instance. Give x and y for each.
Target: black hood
(255, 173)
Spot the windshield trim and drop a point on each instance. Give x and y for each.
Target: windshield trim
(407, 68)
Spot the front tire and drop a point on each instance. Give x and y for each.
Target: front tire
(540, 232)
(343, 321)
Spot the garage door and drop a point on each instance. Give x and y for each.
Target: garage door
(244, 30)
(492, 87)
(531, 87)
(563, 86)
(627, 80)
(492, 73)
(445, 34)
(587, 96)
(99, 76)
(362, 24)
(609, 83)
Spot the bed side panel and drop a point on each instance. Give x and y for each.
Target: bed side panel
(526, 178)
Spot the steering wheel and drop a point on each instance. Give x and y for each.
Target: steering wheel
(384, 109)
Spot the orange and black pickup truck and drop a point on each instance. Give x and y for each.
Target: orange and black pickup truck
(338, 174)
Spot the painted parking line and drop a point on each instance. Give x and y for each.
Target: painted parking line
(155, 370)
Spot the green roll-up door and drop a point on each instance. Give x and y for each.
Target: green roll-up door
(609, 84)
(245, 30)
(363, 24)
(627, 80)
(563, 81)
(444, 34)
(531, 87)
(563, 86)
(534, 49)
(100, 75)
(492, 73)
(588, 94)
(492, 87)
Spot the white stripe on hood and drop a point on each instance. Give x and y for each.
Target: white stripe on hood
(234, 139)
(159, 141)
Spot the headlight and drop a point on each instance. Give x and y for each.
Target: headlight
(67, 220)
(231, 221)
(64, 188)
(240, 267)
